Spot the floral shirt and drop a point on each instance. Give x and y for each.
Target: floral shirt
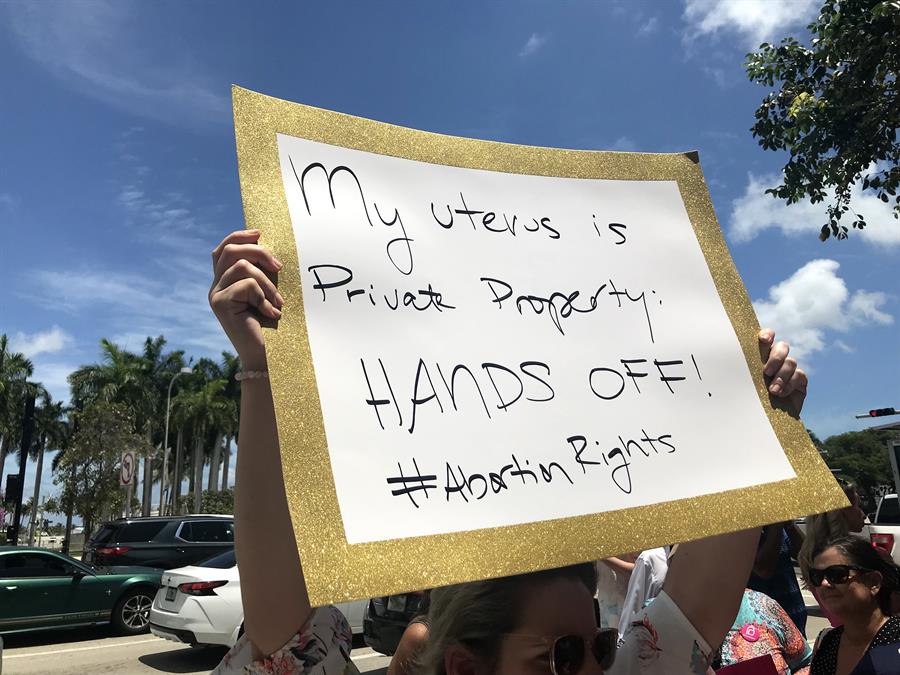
(322, 647)
(660, 641)
(763, 627)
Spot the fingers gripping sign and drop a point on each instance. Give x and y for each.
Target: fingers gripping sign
(243, 295)
(785, 381)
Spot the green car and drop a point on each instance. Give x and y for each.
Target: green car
(41, 589)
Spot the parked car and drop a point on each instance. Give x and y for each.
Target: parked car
(884, 532)
(41, 589)
(201, 604)
(164, 542)
(387, 617)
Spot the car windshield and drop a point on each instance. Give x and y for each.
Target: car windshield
(889, 513)
(105, 534)
(223, 561)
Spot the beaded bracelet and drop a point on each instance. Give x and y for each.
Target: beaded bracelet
(251, 375)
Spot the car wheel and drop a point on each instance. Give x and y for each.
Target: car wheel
(131, 614)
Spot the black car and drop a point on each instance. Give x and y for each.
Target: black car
(165, 542)
(387, 617)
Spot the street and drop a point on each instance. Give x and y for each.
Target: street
(98, 650)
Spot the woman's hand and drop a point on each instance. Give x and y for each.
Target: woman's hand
(244, 299)
(786, 382)
(242, 295)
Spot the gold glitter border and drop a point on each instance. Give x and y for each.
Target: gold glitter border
(336, 571)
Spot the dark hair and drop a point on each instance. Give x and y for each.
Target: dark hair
(862, 554)
(477, 614)
(824, 527)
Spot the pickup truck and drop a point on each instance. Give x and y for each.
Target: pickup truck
(884, 532)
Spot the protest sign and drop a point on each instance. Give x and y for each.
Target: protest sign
(497, 358)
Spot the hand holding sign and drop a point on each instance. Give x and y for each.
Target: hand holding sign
(241, 293)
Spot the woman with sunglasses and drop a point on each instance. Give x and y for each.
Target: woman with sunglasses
(546, 622)
(855, 582)
(825, 527)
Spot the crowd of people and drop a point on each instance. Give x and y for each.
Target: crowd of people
(676, 610)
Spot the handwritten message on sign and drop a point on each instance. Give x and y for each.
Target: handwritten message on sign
(494, 349)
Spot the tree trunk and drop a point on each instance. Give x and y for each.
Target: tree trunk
(198, 473)
(213, 478)
(192, 473)
(67, 539)
(148, 482)
(226, 460)
(4, 449)
(37, 488)
(147, 501)
(179, 472)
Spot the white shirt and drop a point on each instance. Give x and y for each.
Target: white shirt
(646, 582)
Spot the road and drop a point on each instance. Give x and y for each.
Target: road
(97, 650)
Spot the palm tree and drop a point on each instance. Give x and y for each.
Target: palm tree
(157, 368)
(50, 430)
(138, 381)
(66, 504)
(15, 369)
(206, 410)
(230, 367)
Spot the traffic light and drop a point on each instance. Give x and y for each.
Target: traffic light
(881, 412)
(13, 488)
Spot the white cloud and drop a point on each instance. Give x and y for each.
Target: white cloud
(100, 49)
(649, 27)
(756, 20)
(171, 303)
(755, 211)
(535, 42)
(815, 300)
(623, 144)
(54, 376)
(844, 347)
(718, 76)
(42, 342)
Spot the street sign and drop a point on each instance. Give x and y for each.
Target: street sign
(128, 469)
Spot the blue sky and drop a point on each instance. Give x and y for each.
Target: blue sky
(118, 172)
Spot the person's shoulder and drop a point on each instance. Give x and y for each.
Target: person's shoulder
(890, 631)
(417, 630)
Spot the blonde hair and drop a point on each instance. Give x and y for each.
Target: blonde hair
(822, 528)
(477, 614)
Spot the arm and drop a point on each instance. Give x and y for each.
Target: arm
(241, 296)
(617, 564)
(404, 660)
(766, 561)
(796, 537)
(724, 562)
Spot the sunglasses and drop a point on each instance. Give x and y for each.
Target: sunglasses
(835, 574)
(568, 652)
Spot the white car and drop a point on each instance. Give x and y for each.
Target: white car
(201, 604)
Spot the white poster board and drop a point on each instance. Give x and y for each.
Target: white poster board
(494, 349)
